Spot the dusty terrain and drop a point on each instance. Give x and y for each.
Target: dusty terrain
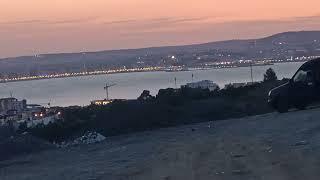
(272, 146)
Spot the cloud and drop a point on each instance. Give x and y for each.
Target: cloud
(317, 16)
(48, 22)
(22, 22)
(163, 20)
(227, 30)
(73, 21)
(120, 22)
(156, 22)
(185, 20)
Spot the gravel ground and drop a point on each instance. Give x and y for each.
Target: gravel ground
(19, 145)
(271, 146)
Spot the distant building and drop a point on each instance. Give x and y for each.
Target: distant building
(101, 102)
(205, 84)
(15, 113)
(9, 105)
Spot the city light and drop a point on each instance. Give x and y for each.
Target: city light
(220, 64)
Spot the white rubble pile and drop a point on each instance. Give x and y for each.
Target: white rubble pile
(87, 138)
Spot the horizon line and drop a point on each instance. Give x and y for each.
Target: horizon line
(152, 47)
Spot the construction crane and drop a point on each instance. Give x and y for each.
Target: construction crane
(107, 89)
(46, 104)
(251, 72)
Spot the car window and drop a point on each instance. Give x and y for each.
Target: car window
(304, 76)
(301, 76)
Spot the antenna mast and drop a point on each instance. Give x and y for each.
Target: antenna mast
(107, 89)
(251, 72)
(49, 103)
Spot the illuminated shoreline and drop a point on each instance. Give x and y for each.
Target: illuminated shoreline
(221, 65)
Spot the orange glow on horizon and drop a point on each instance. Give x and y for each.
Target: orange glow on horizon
(42, 26)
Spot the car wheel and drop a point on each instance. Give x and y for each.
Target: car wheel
(282, 106)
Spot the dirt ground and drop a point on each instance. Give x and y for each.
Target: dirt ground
(272, 146)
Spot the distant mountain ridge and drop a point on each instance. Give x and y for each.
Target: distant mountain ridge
(280, 45)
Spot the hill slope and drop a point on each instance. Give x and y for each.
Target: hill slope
(281, 45)
(271, 146)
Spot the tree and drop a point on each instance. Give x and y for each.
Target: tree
(270, 75)
(145, 96)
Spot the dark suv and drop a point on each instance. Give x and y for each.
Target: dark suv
(302, 90)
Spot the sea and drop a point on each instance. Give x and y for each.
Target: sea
(82, 90)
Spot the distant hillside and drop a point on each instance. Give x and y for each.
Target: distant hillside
(281, 45)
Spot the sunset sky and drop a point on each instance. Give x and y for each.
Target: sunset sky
(30, 27)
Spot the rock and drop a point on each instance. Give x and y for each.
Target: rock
(234, 155)
(237, 155)
(87, 138)
(269, 149)
(218, 173)
(92, 178)
(275, 163)
(210, 125)
(301, 143)
(239, 172)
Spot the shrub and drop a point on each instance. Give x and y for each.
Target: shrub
(270, 75)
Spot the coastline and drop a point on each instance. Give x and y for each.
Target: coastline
(135, 70)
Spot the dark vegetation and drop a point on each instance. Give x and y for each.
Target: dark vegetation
(171, 107)
(270, 75)
(12, 144)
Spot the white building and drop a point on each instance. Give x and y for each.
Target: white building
(101, 102)
(12, 104)
(16, 113)
(205, 84)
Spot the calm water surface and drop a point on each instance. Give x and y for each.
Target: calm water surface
(81, 90)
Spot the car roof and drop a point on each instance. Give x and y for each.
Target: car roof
(311, 64)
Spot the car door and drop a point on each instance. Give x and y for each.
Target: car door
(317, 83)
(303, 87)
